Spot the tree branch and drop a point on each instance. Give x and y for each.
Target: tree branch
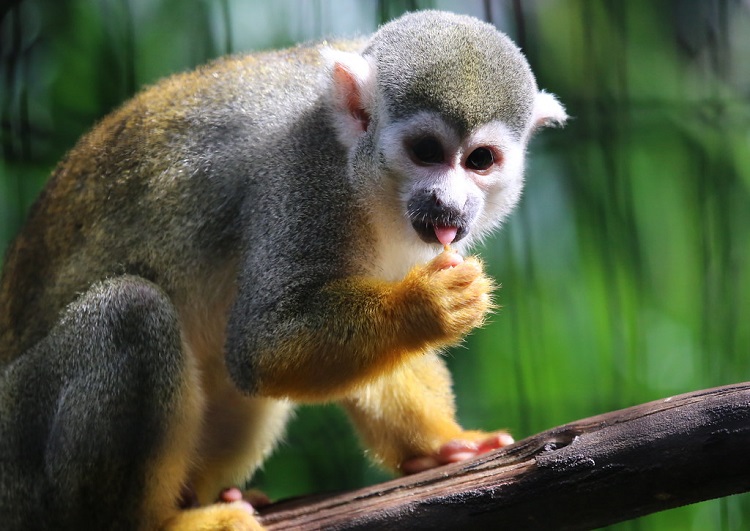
(583, 475)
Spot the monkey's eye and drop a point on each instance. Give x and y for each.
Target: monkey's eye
(427, 150)
(480, 159)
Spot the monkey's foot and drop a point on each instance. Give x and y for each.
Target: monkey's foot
(458, 450)
(233, 509)
(234, 516)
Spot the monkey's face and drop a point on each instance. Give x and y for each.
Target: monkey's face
(435, 116)
(451, 187)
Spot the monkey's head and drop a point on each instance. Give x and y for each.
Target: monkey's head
(436, 114)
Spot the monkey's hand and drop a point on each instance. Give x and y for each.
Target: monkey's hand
(449, 295)
(470, 444)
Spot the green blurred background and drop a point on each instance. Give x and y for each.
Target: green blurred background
(625, 271)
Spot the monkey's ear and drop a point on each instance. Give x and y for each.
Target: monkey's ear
(547, 111)
(351, 93)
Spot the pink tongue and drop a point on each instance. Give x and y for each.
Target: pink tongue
(445, 235)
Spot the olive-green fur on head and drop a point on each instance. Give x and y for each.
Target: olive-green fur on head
(462, 68)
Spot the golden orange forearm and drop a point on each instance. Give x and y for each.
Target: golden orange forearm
(364, 327)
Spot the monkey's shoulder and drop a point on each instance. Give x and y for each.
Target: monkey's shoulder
(258, 73)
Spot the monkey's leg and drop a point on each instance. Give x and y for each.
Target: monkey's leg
(239, 433)
(99, 421)
(407, 418)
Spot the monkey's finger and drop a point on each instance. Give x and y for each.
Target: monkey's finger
(457, 450)
(495, 441)
(445, 260)
(419, 464)
(230, 495)
(462, 449)
(254, 497)
(463, 277)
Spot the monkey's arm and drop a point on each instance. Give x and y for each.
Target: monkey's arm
(352, 330)
(407, 419)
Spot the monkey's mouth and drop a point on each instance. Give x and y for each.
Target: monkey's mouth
(439, 233)
(435, 220)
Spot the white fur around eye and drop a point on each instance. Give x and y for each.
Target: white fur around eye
(395, 136)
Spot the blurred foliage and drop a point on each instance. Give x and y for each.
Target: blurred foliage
(626, 270)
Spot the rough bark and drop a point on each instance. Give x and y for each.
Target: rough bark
(583, 475)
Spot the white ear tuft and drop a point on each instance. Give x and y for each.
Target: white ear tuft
(351, 95)
(547, 111)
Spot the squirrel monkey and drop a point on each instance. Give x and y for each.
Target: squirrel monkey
(266, 230)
